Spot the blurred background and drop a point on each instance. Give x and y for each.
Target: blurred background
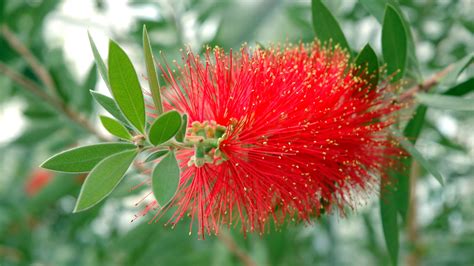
(37, 226)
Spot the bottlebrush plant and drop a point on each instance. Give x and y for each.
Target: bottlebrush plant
(263, 135)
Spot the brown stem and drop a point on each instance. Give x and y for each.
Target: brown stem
(33, 88)
(229, 242)
(40, 71)
(427, 84)
(413, 258)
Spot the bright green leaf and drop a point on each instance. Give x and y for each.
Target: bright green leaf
(155, 155)
(165, 179)
(98, 60)
(408, 146)
(182, 132)
(110, 106)
(446, 102)
(394, 43)
(103, 179)
(115, 128)
(367, 59)
(164, 128)
(126, 87)
(151, 71)
(388, 213)
(83, 159)
(325, 25)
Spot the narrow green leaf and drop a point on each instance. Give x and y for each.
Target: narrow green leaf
(367, 59)
(126, 87)
(408, 146)
(37, 133)
(388, 213)
(110, 106)
(446, 102)
(115, 128)
(325, 25)
(411, 132)
(151, 71)
(394, 43)
(461, 89)
(182, 132)
(83, 159)
(98, 60)
(103, 179)
(165, 127)
(458, 68)
(165, 179)
(413, 128)
(377, 9)
(85, 102)
(155, 155)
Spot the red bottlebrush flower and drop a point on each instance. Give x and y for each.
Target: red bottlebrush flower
(296, 132)
(37, 181)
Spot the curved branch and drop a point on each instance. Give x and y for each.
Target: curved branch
(40, 71)
(34, 89)
(427, 84)
(227, 240)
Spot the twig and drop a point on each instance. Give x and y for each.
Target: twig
(227, 240)
(427, 84)
(33, 88)
(413, 258)
(29, 57)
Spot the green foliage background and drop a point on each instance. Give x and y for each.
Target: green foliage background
(42, 230)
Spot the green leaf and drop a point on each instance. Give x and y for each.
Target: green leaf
(367, 59)
(325, 25)
(408, 146)
(411, 132)
(156, 155)
(115, 128)
(458, 68)
(103, 179)
(184, 126)
(461, 89)
(151, 71)
(83, 159)
(446, 102)
(413, 128)
(99, 62)
(377, 9)
(165, 179)
(126, 87)
(394, 43)
(388, 213)
(84, 97)
(165, 127)
(110, 106)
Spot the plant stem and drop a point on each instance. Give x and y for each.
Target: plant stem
(40, 71)
(427, 84)
(229, 242)
(34, 89)
(413, 258)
